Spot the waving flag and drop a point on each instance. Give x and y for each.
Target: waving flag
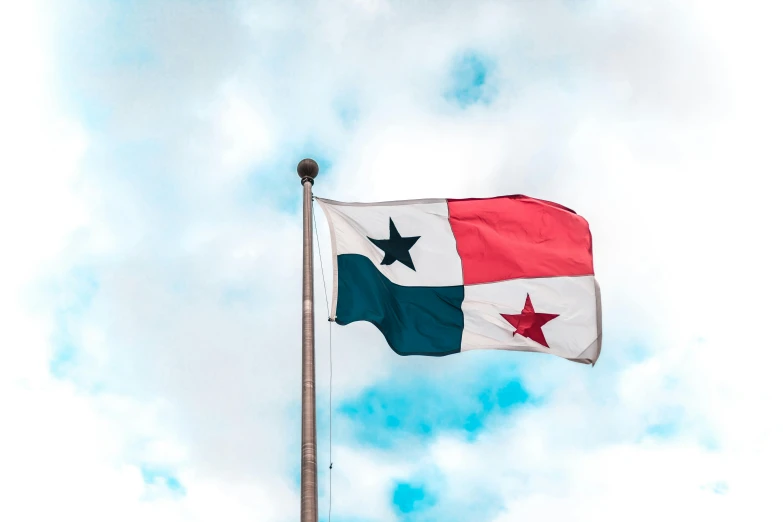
(440, 276)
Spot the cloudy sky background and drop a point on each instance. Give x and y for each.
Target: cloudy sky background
(150, 282)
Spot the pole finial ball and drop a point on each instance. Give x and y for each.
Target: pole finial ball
(307, 169)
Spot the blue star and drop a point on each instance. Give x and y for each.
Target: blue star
(396, 248)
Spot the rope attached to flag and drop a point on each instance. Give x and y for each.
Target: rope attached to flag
(326, 303)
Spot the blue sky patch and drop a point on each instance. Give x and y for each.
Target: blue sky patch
(667, 423)
(63, 357)
(134, 57)
(90, 111)
(130, 28)
(408, 497)
(470, 80)
(420, 406)
(663, 430)
(709, 442)
(75, 293)
(152, 476)
(347, 110)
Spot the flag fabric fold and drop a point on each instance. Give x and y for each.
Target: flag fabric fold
(442, 276)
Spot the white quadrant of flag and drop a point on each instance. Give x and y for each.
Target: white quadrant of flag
(435, 257)
(571, 334)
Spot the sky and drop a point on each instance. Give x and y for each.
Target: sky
(150, 217)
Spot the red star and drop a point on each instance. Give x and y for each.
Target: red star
(528, 323)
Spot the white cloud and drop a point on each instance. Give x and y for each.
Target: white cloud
(363, 482)
(248, 141)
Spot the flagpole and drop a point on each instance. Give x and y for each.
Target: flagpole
(308, 170)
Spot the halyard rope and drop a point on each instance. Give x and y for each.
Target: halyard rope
(326, 301)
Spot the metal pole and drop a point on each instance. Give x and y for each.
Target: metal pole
(308, 170)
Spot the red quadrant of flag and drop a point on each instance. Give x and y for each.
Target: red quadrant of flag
(512, 237)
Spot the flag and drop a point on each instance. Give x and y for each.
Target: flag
(441, 276)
